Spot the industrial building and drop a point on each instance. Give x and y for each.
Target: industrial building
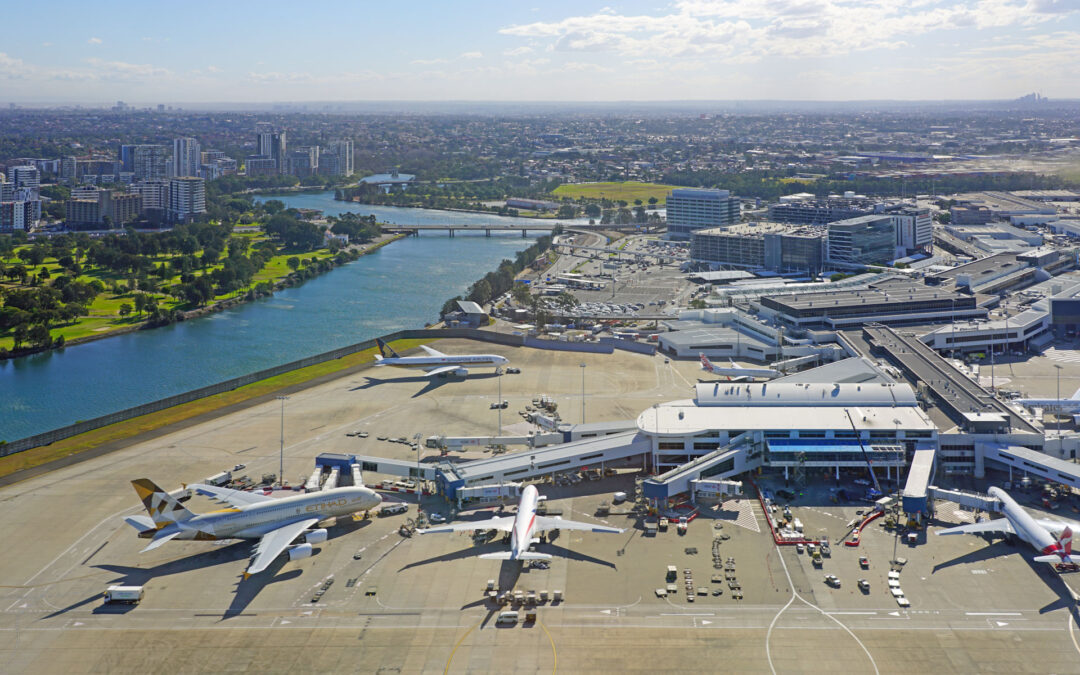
(774, 247)
(692, 209)
(1003, 205)
(720, 333)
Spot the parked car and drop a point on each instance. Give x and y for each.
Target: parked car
(832, 580)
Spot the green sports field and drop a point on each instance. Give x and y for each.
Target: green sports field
(628, 191)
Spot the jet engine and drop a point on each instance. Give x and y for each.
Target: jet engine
(300, 551)
(315, 536)
(461, 372)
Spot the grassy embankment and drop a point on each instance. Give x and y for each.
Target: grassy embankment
(626, 191)
(138, 425)
(104, 312)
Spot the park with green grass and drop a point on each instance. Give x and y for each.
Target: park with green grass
(628, 191)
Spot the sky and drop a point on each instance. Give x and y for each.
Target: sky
(270, 51)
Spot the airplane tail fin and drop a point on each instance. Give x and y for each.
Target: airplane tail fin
(705, 362)
(1066, 541)
(162, 507)
(384, 348)
(505, 555)
(1063, 552)
(1076, 395)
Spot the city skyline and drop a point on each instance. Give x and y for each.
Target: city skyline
(688, 50)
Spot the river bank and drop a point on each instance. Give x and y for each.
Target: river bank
(400, 286)
(489, 212)
(261, 288)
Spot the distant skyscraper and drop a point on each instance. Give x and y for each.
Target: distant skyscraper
(187, 198)
(186, 157)
(69, 169)
(304, 160)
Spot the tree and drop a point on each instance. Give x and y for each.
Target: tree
(39, 336)
(19, 335)
(520, 293)
(593, 211)
(140, 303)
(293, 263)
(653, 201)
(125, 309)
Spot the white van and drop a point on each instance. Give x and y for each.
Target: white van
(507, 617)
(393, 508)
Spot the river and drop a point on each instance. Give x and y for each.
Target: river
(402, 285)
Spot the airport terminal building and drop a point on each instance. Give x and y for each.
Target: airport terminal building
(793, 426)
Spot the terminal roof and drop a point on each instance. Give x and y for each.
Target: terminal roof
(803, 394)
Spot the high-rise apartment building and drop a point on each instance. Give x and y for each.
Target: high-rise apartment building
(21, 213)
(25, 177)
(146, 162)
(691, 209)
(337, 159)
(187, 157)
(272, 143)
(91, 211)
(154, 193)
(187, 198)
(304, 160)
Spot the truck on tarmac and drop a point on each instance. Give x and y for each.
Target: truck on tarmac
(129, 595)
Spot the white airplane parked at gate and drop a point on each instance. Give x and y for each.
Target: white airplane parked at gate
(1051, 538)
(1070, 406)
(436, 363)
(522, 527)
(276, 523)
(736, 372)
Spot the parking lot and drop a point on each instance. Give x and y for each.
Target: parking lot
(417, 604)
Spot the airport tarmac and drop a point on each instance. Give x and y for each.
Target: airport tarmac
(416, 604)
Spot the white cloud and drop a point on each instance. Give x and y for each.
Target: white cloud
(95, 41)
(517, 51)
(428, 62)
(124, 70)
(213, 69)
(472, 55)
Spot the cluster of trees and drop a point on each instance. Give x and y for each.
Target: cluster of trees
(469, 195)
(30, 313)
(494, 284)
(360, 229)
(770, 184)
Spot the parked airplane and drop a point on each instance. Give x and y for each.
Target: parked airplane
(1052, 538)
(736, 372)
(436, 363)
(276, 523)
(522, 526)
(1069, 406)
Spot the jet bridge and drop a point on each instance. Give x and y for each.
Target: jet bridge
(726, 461)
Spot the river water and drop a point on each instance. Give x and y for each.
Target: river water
(402, 285)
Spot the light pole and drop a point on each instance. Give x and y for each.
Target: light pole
(281, 456)
(498, 403)
(582, 393)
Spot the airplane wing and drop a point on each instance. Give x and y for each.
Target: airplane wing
(158, 541)
(547, 523)
(440, 370)
(274, 542)
(505, 524)
(431, 352)
(234, 498)
(999, 525)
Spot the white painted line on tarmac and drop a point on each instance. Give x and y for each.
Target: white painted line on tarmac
(993, 613)
(851, 613)
(688, 614)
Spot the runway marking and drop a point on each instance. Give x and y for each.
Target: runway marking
(1062, 355)
(554, 654)
(1072, 634)
(454, 650)
(687, 614)
(850, 613)
(993, 613)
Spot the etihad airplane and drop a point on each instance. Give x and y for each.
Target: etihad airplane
(276, 523)
(436, 363)
(736, 373)
(1051, 538)
(1070, 406)
(522, 527)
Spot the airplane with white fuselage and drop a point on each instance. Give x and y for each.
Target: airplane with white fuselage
(275, 522)
(436, 363)
(735, 372)
(1051, 538)
(1070, 406)
(523, 526)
